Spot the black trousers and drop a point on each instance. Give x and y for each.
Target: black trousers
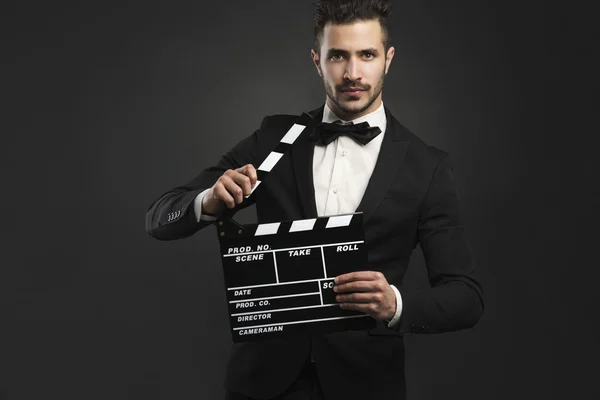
(306, 387)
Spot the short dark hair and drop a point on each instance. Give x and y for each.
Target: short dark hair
(348, 11)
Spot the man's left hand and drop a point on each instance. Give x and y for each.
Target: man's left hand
(368, 292)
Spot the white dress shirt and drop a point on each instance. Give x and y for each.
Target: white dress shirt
(341, 172)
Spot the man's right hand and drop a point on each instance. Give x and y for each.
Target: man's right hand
(229, 190)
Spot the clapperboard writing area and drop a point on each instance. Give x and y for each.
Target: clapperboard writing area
(279, 277)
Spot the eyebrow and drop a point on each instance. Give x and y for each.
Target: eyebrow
(333, 51)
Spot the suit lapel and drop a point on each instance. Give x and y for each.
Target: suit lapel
(391, 156)
(302, 159)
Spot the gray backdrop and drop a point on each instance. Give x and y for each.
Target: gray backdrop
(106, 106)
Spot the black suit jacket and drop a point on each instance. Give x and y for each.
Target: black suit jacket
(411, 199)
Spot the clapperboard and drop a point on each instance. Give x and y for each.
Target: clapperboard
(279, 277)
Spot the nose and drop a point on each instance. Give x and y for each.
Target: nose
(352, 70)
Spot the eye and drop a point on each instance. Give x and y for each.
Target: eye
(336, 57)
(368, 56)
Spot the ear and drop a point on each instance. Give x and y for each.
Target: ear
(388, 58)
(316, 61)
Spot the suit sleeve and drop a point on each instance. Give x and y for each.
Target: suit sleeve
(171, 216)
(455, 299)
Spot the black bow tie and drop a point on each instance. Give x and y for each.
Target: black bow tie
(326, 133)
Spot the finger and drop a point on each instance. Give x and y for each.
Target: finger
(367, 308)
(359, 286)
(233, 189)
(358, 276)
(360, 298)
(250, 172)
(221, 193)
(242, 181)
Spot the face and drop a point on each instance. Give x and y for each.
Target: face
(352, 63)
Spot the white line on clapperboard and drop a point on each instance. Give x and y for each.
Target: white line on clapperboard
(283, 309)
(281, 283)
(324, 266)
(275, 265)
(301, 322)
(292, 248)
(275, 297)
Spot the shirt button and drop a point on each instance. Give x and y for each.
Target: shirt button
(335, 191)
(343, 153)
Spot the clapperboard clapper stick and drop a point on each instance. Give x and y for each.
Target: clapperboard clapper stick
(279, 276)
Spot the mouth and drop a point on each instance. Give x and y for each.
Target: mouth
(352, 91)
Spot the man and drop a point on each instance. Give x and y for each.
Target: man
(405, 190)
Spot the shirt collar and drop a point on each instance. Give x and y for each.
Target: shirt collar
(375, 118)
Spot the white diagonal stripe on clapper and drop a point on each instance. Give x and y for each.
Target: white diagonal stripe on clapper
(254, 188)
(270, 161)
(293, 134)
(339, 220)
(267, 229)
(303, 225)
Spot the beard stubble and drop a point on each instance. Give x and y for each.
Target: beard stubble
(330, 92)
